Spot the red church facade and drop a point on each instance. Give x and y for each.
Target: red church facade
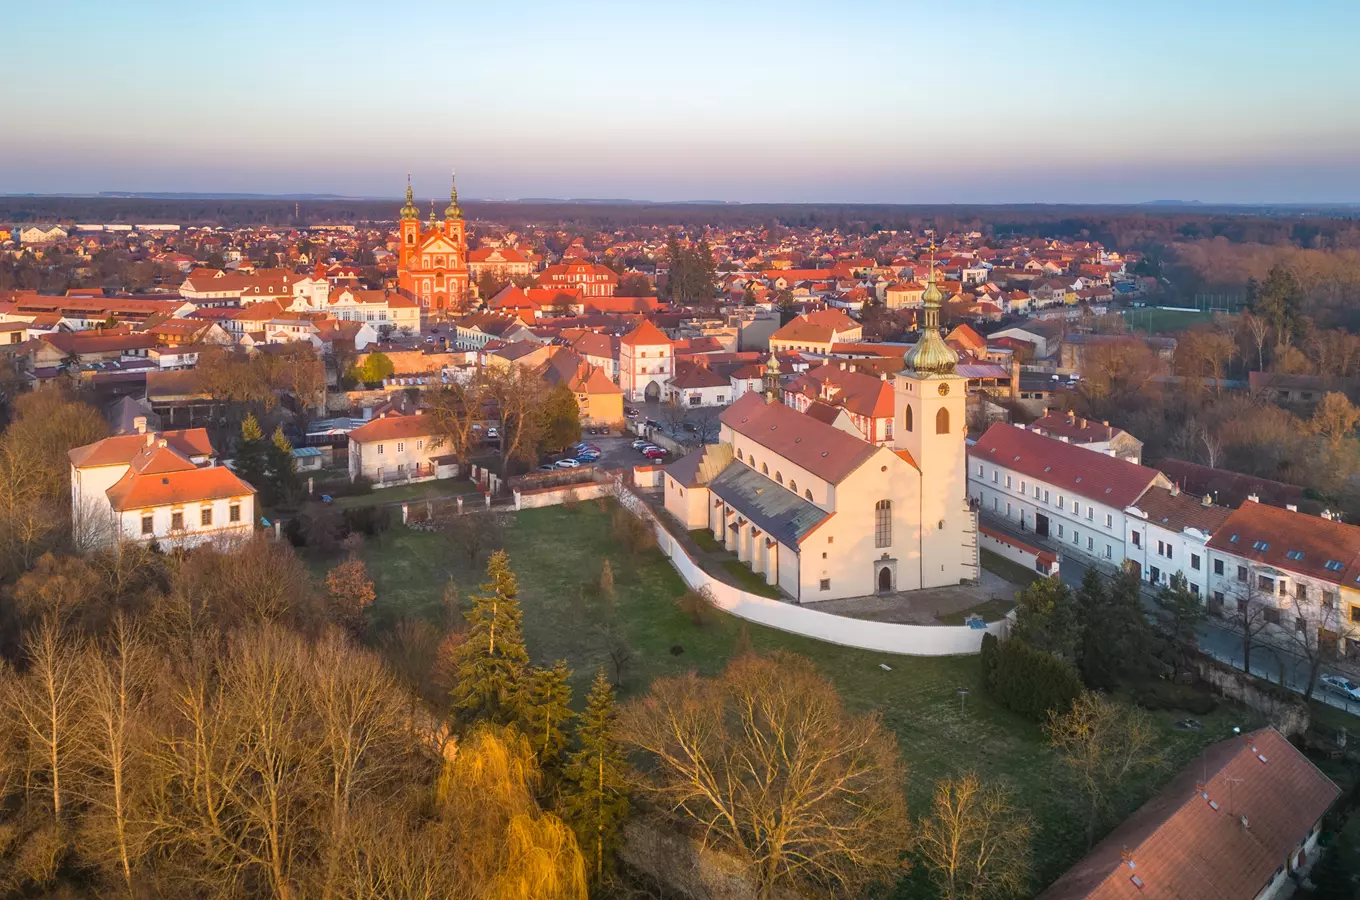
(432, 264)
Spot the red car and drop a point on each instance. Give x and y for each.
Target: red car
(654, 453)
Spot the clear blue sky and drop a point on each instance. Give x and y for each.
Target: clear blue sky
(853, 100)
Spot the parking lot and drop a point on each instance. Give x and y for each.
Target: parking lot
(616, 451)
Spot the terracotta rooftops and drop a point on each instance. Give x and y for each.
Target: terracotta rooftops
(140, 490)
(825, 451)
(1220, 829)
(1075, 428)
(1176, 510)
(1086, 473)
(1322, 548)
(392, 428)
(123, 449)
(645, 335)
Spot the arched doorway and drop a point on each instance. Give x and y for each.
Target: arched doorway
(885, 580)
(652, 392)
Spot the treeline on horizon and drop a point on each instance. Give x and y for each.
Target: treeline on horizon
(1116, 226)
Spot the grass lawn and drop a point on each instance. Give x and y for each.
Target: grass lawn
(1161, 321)
(990, 610)
(704, 538)
(749, 581)
(554, 550)
(1011, 571)
(422, 490)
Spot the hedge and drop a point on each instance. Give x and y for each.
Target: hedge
(1027, 681)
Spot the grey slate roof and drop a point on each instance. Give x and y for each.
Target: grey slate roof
(772, 508)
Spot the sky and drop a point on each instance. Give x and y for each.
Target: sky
(874, 101)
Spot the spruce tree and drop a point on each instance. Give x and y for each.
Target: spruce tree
(545, 709)
(279, 456)
(595, 796)
(250, 454)
(492, 665)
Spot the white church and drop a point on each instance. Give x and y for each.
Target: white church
(823, 514)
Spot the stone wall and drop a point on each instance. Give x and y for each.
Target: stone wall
(1288, 714)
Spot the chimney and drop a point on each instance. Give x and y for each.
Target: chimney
(150, 438)
(1292, 507)
(1105, 422)
(1175, 490)
(162, 443)
(1254, 498)
(1327, 514)
(1083, 423)
(1207, 501)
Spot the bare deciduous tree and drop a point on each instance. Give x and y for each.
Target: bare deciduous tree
(1102, 742)
(46, 706)
(975, 841)
(765, 762)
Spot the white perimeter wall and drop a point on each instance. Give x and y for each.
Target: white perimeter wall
(887, 637)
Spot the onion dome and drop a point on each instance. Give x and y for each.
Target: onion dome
(931, 355)
(409, 211)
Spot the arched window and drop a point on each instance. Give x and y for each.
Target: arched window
(740, 457)
(779, 477)
(410, 238)
(942, 421)
(793, 485)
(808, 494)
(907, 418)
(883, 523)
(765, 469)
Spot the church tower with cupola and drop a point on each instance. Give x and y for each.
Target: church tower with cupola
(930, 405)
(432, 264)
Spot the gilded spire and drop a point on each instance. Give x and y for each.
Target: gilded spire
(931, 356)
(409, 211)
(771, 379)
(433, 221)
(453, 211)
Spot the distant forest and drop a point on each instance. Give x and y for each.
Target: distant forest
(1115, 226)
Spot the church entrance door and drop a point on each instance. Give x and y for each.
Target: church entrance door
(885, 584)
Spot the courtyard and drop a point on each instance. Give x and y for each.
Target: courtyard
(555, 550)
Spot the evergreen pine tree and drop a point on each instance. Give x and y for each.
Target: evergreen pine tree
(1116, 640)
(545, 709)
(282, 477)
(250, 454)
(491, 666)
(594, 800)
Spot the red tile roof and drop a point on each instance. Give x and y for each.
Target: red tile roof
(134, 491)
(825, 451)
(1219, 830)
(645, 335)
(1086, 473)
(392, 428)
(123, 449)
(1268, 534)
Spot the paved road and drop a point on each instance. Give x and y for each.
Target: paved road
(1225, 645)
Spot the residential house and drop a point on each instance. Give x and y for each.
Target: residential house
(1098, 436)
(157, 486)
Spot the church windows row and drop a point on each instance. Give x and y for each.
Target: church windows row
(941, 421)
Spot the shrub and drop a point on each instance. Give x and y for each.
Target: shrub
(368, 520)
(1165, 696)
(1027, 681)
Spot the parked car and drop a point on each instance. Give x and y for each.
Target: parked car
(640, 444)
(567, 464)
(654, 453)
(630, 413)
(326, 498)
(1339, 685)
(493, 434)
(690, 426)
(547, 467)
(652, 423)
(579, 445)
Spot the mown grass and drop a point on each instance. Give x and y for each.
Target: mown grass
(555, 550)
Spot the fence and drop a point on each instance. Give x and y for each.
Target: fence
(887, 637)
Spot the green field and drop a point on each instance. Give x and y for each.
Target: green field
(1151, 320)
(555, 550)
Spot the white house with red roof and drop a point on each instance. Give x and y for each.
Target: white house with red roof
(156, 486)
(395, 449)
(646, 363)
(816, 332)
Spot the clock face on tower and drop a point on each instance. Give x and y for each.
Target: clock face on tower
(944, 390)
